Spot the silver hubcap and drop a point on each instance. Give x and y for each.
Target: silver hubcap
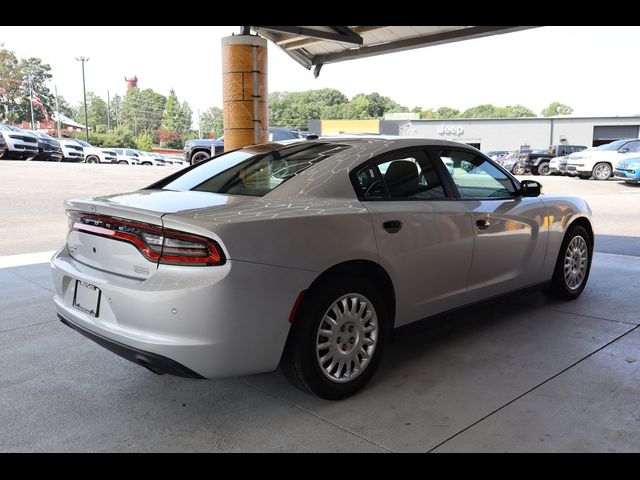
(347, 338)
(575, 262)
(602, 172)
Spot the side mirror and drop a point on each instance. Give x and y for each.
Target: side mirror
(530, 188)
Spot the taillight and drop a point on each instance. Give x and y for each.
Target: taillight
(156, 243)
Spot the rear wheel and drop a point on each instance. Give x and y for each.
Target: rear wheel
(602, 171)
(92, 159)
(573, 265)
(337, 338)
(542, 169)
(123, 162)
(518, 169)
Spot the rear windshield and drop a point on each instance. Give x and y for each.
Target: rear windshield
(251, 171)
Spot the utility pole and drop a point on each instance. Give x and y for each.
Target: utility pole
(84, 91)
(199, 124)
(108, 112)
(33, 123)
(57, 111)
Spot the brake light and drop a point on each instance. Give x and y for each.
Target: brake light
(156, 243)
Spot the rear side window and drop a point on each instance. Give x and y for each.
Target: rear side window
(253, 171)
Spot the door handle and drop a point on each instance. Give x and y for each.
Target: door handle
(483, 223)
(392, 226)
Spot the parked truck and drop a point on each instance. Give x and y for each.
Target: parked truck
(537, 160)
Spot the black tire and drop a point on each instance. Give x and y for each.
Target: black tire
(559, 287)
(602, 171)
(199, 157)
(542, 169)
(300, 363)
(518, 170)
(123, 162)
(92, 159)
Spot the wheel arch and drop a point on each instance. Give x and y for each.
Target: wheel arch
(363, 268)
(586, 224)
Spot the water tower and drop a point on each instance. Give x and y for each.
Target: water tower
(131, 82)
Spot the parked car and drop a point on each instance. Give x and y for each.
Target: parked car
(195, 151)
(18, 144)
(150, 158)
(49, 149)
(537, 160)
(126, 156)
(628, 170)
(601, 162)
(72, 151)
(98, 154)
(301, 255)
(497, 155)
(510, 163)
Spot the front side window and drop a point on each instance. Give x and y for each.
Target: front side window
(253, 171)
(475, 177)
(409, 176)
(632, 147)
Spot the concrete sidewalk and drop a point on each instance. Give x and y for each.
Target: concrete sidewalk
(522, 373)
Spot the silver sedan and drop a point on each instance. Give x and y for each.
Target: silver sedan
(306, 254)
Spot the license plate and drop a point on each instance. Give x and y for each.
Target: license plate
(87, 298)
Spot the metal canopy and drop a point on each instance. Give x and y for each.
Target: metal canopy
(315, 46)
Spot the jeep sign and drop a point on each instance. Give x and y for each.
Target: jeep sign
(446, 130)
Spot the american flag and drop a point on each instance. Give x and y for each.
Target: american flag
(36, 101)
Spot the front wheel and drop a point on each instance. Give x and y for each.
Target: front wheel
(573, 265)
(602, 171)
(92, 159)
(123, 162)
(337, 338)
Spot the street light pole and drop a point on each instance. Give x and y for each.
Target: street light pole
(33, 123)
(84, 91)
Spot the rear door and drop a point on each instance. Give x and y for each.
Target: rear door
(510, 231)
(423, 233)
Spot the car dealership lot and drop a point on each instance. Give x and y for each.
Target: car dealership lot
(521, 373)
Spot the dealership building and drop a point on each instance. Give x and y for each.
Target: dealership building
(496, 133)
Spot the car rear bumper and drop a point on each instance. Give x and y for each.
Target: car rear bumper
(156, 363)
(216, 322)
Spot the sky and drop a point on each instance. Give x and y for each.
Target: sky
(592, 69)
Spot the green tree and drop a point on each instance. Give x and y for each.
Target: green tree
(171, 117)
(446, 112)
(96, 110)
(65, 108)
(144, 142)
(36, 75)
(481, 111)
(515, 111)
(557, 108)
(295, 109)
(186, 118)
(142, 110)
(10, 83)
(211, 123)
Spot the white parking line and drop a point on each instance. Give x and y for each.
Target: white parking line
(8, 261)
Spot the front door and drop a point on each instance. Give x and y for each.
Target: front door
(510, 231)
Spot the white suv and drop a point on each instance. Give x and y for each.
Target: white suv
(18, 144)
(601, 162)
(97, 155)
(72, 151)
